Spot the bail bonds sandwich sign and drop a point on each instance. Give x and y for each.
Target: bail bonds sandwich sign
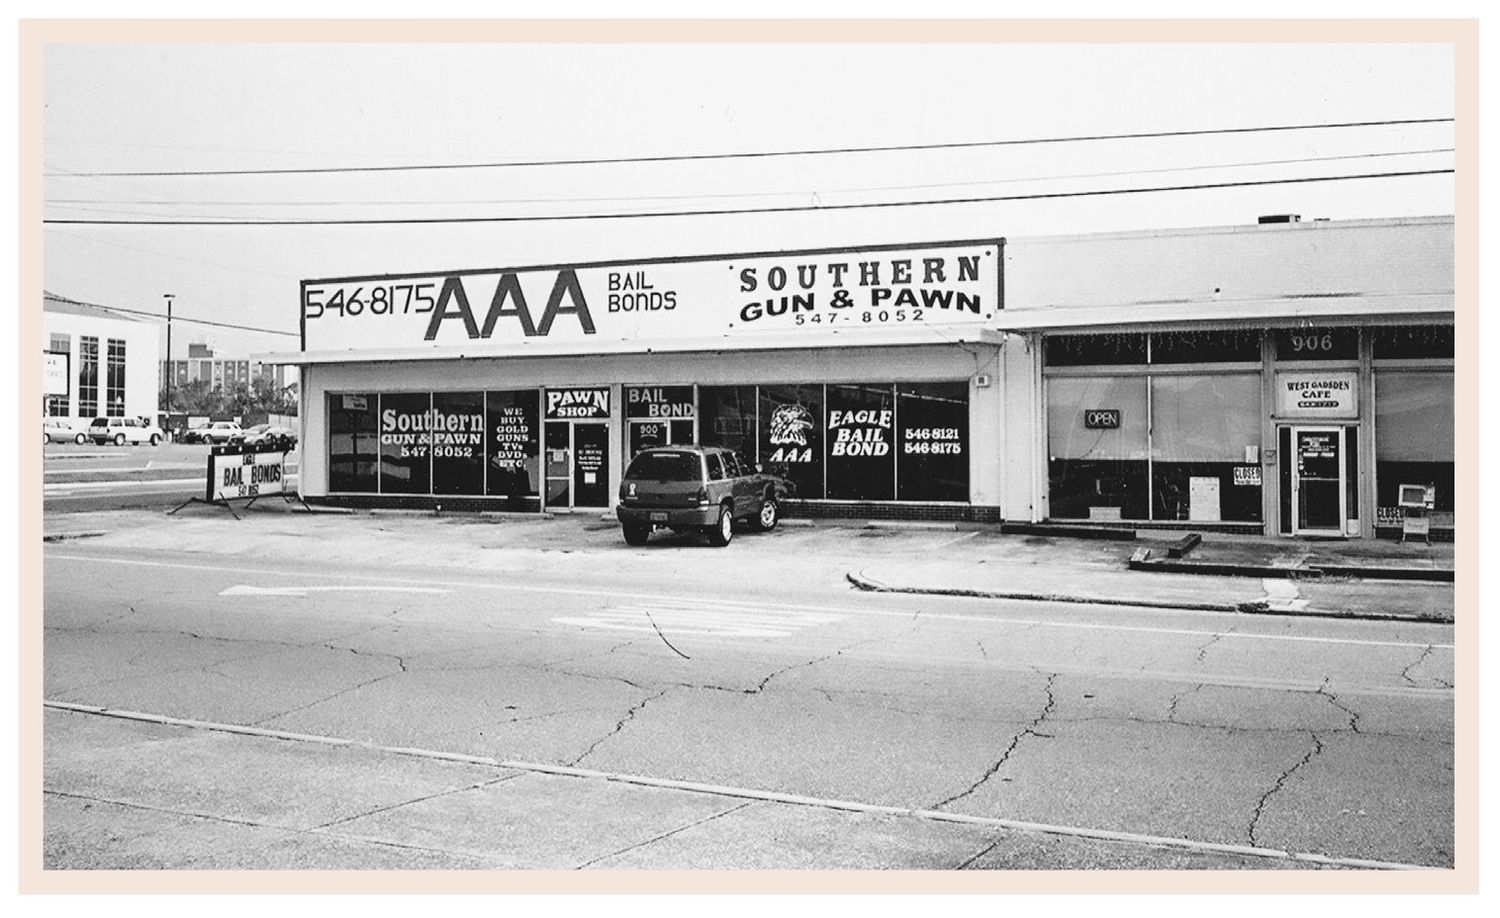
(233, 475)
(804, 294)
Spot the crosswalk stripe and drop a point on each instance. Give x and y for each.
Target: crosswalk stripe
(724, 619)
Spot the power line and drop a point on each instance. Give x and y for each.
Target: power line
(392, 221)
(1300, 160)
(762, 154)
(177, 318)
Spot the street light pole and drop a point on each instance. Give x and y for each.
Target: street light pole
(169, 297)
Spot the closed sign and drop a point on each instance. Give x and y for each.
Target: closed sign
(1101, 418)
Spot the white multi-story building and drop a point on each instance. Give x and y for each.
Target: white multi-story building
(99, 362)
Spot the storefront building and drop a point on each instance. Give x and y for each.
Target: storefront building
(1281, 378)
(863, 376)
(1285, 378)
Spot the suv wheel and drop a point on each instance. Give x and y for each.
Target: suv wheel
(721, 533)
(80, 439)
(636, 535)
(768, 517)
(119, 439)
(155, 439)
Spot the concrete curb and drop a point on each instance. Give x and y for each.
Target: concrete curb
(1309, 572)
(869, 585)
(1254, 607)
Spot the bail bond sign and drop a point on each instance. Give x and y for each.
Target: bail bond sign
(801, 293)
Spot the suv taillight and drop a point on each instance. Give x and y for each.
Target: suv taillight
(703, 496)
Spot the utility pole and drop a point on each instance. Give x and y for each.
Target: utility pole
(168, 374)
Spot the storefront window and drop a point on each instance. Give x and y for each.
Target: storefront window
(861, 430)
(1095, 350)
(1232, 346)
(1413, 439)
(1096, 436)
(405, 443)
(932, 441)
(791, 436)
(458, 426)
(726, 417)
(514, 447)
(353, 443)
(1205, 448)
(1414, 342)
(658, 416)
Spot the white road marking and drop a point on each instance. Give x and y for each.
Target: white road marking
(718, 618)
(247, 590)
(746, 792)
(844, 610)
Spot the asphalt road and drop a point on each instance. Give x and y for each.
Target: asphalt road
(1119, 725)
(89, 478)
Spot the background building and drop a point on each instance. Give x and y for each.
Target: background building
(100, 362)
(202, 364)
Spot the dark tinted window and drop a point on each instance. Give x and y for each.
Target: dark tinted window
(1095, 350)
(665, 467)
(1205, 346)
(715, 467)
(1414, 342)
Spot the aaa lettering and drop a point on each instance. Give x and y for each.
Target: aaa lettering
(509, 302)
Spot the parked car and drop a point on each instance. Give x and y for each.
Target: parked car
(61, 430)
(268, 435)
(703, 488)
(219, 432)
(120, 431)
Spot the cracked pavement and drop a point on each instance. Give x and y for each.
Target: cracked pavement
(1327, 738)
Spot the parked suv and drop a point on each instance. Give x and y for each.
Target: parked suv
(120, 431)
(704, 488)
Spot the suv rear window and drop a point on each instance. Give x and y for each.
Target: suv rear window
(665, 467)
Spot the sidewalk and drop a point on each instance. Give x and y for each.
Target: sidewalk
(1225, 573)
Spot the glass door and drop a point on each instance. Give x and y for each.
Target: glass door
(558, 453)
(645, 434)
(590, 464)
(577, 454)
(1319, 494)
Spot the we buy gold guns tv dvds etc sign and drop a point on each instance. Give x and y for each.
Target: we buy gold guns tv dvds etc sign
(235, 474)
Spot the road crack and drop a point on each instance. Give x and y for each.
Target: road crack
(668, 834)
(1203, 651)
(1406, 673)
(629, 716)
(1031, 730)
(1333, 700)
(1260, 807)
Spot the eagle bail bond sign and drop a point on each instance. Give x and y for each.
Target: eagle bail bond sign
(802, 293)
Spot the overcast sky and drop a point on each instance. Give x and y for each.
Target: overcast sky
(185, 107)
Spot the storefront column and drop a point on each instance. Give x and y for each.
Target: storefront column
(1366, 491)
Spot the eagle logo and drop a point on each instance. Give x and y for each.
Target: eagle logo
(789, 424)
